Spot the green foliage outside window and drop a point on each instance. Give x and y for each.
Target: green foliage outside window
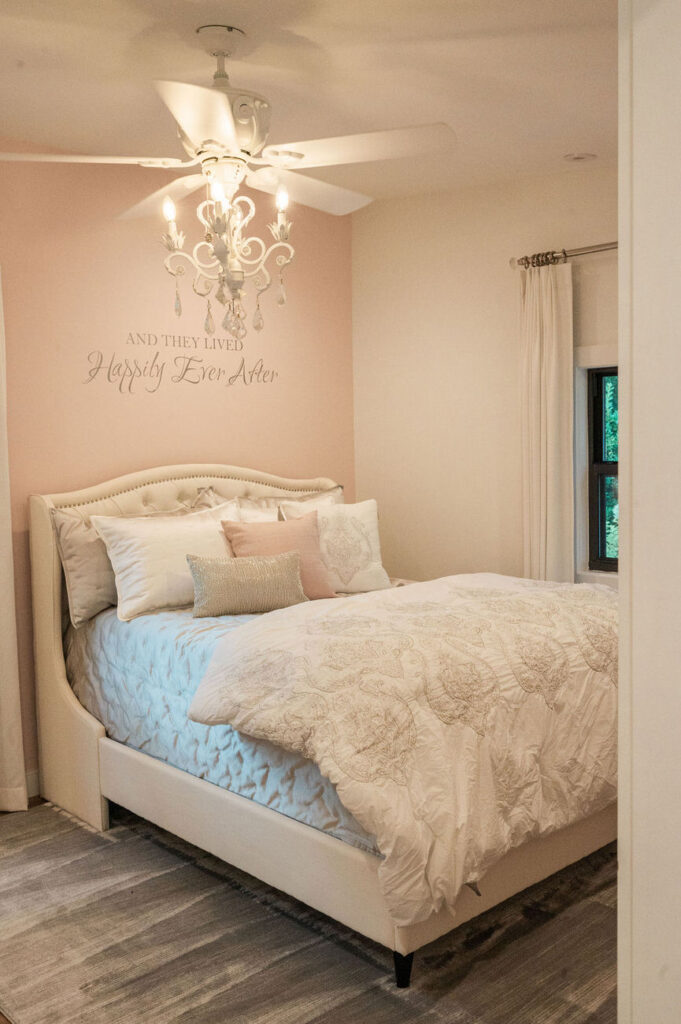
(610, 415)
(603, 469)
(612, 509)
(610, 454)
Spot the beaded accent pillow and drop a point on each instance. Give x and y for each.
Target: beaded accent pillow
(239, 586)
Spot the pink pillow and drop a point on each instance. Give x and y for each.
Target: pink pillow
(301, 535)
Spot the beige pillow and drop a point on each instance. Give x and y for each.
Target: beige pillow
(238, 586)
(89, 577)
(266, 508)
(301, 535)
(208, 498)
(247, 510)
(149, 556)
(349, 545)
(334, 495)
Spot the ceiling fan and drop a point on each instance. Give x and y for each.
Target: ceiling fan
(224, 131)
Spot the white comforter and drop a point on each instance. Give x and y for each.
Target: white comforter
(457, 718)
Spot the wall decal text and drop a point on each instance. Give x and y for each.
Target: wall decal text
(176, 359)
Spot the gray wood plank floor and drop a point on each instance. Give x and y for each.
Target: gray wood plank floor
(134, 925)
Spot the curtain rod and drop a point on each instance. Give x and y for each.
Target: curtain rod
(544, 259)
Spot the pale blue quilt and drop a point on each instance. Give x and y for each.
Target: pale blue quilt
(138, 678)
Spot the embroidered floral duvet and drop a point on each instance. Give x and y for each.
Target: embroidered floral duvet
(457, 718)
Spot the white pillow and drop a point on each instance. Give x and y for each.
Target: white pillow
(149, 556)
(349, 544)
(90, 582)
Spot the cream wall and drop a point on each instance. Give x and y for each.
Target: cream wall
(77, 281)
(436, 362)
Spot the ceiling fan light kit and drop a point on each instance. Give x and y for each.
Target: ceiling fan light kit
(224, 131)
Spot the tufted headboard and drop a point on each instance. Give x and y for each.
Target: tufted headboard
(154, 489)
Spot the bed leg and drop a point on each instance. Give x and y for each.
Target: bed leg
(403, 969)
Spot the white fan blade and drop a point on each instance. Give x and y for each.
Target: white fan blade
(60, 158)
(358, 149)
(203, 114)
(308, 191)
(177, 190)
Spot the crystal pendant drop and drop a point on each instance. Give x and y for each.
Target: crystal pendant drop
(258, 319)
(281, 298)
(225, 321)
(220, 295)
(178, 302)
(209, 326)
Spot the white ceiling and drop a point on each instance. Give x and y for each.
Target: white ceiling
(521, 82)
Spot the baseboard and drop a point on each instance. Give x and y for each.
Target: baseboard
(33, 783)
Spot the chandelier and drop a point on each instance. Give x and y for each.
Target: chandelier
(228, 256)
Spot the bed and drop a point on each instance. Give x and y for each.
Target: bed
(82, 768)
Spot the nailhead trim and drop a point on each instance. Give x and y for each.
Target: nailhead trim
(194, 476)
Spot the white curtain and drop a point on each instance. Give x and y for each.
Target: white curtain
(12, 778)
(547, 413)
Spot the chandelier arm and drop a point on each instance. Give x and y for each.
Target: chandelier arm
(263, 275)
(243, 248)
(177, 271)
(212, 269)
(247, 202)
(282, 260)
(206, 267)
(206, 290)
(177, 257)
(257, 264)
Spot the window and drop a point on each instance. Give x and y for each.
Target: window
(603, 466)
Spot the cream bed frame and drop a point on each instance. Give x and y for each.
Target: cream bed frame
(81, 769)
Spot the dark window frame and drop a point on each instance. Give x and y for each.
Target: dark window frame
(598, 471)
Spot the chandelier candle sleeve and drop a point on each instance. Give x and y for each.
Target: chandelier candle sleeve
(282, 205)
(217, 194)
(169, 211)
(173, 235)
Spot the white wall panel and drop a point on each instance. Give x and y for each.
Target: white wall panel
(650, 564)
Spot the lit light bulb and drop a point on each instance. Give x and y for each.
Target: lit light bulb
(282, 199)
(168, 209)
(282, 224)
(217, 192)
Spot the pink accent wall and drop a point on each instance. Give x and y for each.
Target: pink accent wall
(77, 281)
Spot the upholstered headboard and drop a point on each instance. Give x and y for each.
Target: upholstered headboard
(163, 486)
(63, 724)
